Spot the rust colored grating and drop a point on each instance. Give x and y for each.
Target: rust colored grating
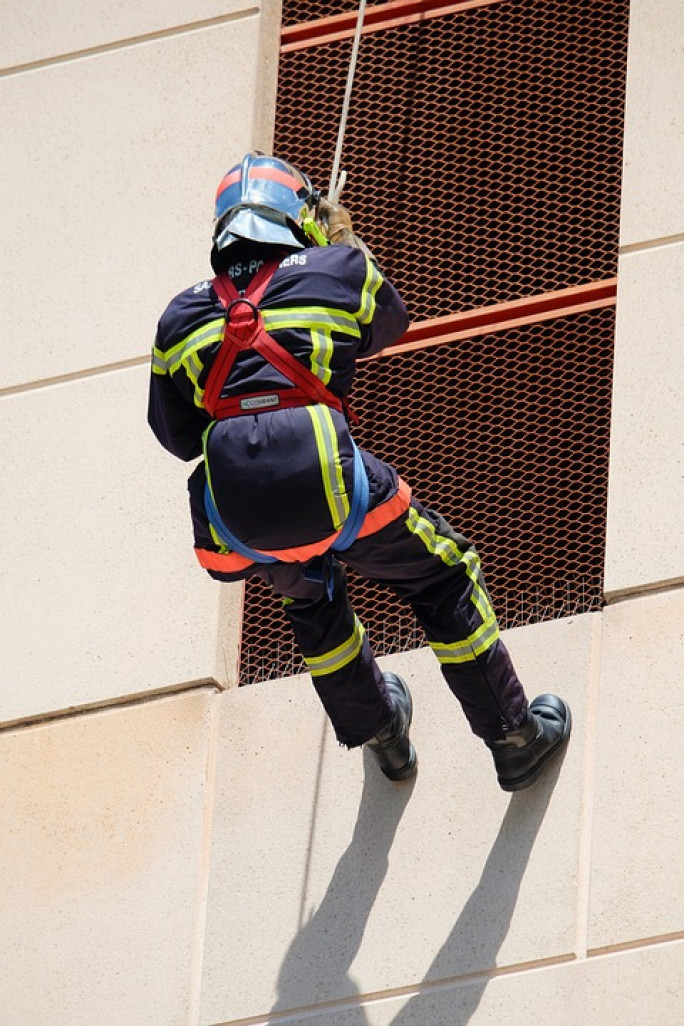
(484, 148)
(297, 11)
(484, 154)
(507, 435)
(377, 18)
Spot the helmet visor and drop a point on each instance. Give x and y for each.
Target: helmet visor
(259, 225)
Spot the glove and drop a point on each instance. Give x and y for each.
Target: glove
(336, 223)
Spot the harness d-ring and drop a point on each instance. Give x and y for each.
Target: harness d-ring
(248, 302)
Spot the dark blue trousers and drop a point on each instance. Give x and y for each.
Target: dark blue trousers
(437, 572)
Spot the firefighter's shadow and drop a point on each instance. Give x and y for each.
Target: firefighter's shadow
(474, 943)
(316, 968)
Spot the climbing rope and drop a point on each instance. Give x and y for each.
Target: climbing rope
(337, 177)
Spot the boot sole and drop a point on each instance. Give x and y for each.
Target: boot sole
(520, 783)
(409, 770)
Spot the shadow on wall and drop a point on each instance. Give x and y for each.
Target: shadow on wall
(316, 967)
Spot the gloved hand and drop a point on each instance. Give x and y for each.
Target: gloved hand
(335, 221)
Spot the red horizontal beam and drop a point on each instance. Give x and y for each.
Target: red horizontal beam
(377, 17)
(502, 316)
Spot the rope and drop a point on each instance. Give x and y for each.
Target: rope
(337, 177)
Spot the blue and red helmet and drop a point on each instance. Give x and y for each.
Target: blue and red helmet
(263, 199)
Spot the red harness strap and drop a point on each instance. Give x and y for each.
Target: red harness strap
(245, 330)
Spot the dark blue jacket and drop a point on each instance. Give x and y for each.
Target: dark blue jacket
(281, 477)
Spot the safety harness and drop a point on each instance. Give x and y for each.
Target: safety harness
(245, 330)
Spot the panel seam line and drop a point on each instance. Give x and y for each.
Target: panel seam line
(76, 375)
(118, 702)
(204, 864)
(301, 1014)
(662, 242)
(589, 789)
(128, 43)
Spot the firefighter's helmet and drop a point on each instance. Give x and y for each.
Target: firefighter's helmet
(263, 199)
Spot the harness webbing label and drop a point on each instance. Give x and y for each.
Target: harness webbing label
(259, 402)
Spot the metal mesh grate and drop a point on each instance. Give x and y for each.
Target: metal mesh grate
(507, 436)
(297, 11)
(484, 153)
(484, 148)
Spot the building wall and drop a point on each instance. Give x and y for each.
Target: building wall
(175, 853)
(117, 122)
(117, 126)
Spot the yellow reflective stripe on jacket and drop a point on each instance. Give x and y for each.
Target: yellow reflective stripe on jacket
(373, 281)
(322, 348)
(448, 551)
(220, 545)
(185, 355)
(312, 318)
(177, 355)
(338, 657)
(331, 464)
(158, 361)
(207, 469)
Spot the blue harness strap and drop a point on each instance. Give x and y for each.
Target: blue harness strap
(359, 505)
(227, 536)
(347, 536)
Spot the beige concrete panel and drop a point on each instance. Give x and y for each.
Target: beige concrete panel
(110, 166)
(263, 128)
(101, 828)
(652, 198)
(637, 880)
(329, 882)
(101, 593)
(645, 544)
(633, 988)
(40, 30)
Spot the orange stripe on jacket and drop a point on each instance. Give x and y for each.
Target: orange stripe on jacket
(375, 520)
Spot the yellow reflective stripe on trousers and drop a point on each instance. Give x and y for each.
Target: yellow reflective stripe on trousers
(322, 348)
(338, 657)
(448, 551)
(479, 597)
(312, 318)
(331, 464)
(371, 285)
(467, 651)
(446, 548)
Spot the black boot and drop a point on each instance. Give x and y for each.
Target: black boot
(521, 756)
(392, 747)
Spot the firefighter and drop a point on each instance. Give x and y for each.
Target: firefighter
(251, 372)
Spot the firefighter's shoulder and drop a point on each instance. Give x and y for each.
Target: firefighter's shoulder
(344, 265)
(186, 312)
